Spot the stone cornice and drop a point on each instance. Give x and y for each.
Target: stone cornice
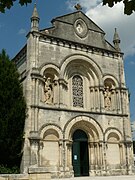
(78, 46)
(20, 56)
(57, 108)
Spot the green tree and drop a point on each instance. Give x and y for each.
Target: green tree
(7, 4)
(129, 5)
(12, 113)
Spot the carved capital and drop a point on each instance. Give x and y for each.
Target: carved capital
(63, 83)
(34, 138)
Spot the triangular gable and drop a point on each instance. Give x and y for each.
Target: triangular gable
(65, 27)
(71, 18)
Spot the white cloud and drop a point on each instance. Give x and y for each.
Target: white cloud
(109, 18)
(86, 4)
(22, 31)
(132, 63)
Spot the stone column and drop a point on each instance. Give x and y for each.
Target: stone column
(34, 145)
(61, 158)
(68, 169)
(34, 99)
(129, 157)
(37, 92)
(33, 103)
(99, 158)
(37, 51)
(98, 99)
(97, 103)
(124, 101)
(101, 90)
(94, 99)
(118, 100)
(36, 103)
(113, 100)
(101, 155)
(121, 155)
(56, 92)
(41, 92)
(62, 88)
(96, 155)
(91, 99)
(104, 158)
(60, 153)
(91, 159)
(69, 155)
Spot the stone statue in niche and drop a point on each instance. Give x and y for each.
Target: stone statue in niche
(48, 91)
(79, 28)
(107, 98)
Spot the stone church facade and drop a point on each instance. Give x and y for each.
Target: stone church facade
(77, 102)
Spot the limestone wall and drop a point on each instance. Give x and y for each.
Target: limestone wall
(34, 176)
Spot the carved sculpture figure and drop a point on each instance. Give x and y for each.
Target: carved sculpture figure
(48, 90)
(79, 28)
(107, 98)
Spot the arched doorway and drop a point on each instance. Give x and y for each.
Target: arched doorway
(80, 156)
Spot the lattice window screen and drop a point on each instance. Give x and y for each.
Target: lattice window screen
(77, 89)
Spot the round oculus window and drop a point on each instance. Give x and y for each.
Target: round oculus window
(80, 28)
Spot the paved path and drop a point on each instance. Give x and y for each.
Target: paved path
(101, 178)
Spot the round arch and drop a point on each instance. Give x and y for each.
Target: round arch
(51, 67)
(87, 124)
(113, 131)
(53, 127)
(111, 79)
(88, 64)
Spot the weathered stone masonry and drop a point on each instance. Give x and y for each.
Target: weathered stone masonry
(77, 102)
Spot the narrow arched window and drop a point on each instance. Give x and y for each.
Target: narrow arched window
(77, 89)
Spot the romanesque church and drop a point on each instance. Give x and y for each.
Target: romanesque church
(73, 80)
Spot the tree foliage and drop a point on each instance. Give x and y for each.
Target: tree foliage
(12, 113)
(7, 4)
(129, 5)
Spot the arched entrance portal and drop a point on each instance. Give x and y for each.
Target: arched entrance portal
(80, 157)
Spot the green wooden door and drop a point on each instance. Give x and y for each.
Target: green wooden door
(84, 159)
(80, 158)
(76, 158)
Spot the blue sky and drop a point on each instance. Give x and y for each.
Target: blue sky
(15, 24)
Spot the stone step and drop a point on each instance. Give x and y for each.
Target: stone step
(131, 177)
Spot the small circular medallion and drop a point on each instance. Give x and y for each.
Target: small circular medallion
(80, 28)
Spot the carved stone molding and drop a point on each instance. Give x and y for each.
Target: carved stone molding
(80, 28)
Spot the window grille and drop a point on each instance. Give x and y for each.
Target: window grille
(77, 89)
